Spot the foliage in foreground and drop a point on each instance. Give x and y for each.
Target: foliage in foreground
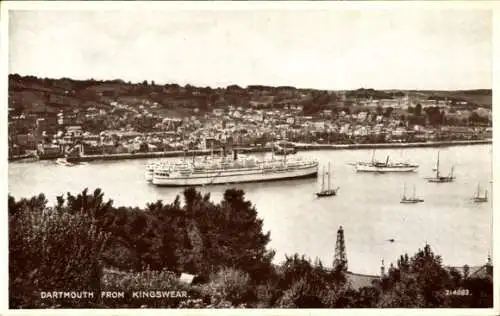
(73, 245)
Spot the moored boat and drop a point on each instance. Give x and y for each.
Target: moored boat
(63, 162)
(438, 178)
(385, 166)
(478, 198)
(328, 191)
(410, 200)
(225, 170)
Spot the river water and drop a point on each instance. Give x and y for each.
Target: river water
(367, 205)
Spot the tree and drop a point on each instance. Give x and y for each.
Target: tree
(53, 249)
(418, 109)
(416, 282)
(434, 115)
(388, 111)
(241, 236)
(308, 285)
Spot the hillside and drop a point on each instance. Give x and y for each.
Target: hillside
(28, 94)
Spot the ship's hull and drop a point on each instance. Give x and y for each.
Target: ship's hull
(411, 201)
(367, 168)
(326, 193)
(236, 176)
(440, 180)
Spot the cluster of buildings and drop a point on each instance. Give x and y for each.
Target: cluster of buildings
(120, 127)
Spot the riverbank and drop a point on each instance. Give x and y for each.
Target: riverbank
(393, 145)
(298, 146)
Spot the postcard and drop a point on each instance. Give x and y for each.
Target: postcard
(274, 157)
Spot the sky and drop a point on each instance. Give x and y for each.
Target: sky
(400, 48)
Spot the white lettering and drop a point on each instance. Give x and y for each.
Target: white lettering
(66, 294)
(159, 294)
(113, 294)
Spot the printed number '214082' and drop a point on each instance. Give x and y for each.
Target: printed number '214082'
(459, 292)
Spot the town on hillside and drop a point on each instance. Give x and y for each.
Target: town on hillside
(47, 117)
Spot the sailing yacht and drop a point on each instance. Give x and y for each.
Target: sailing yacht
(410, 200)
(480, 199)
(438, 178)
(328, 191)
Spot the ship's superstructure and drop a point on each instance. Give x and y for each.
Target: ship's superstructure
(385, 166)
(222, 170)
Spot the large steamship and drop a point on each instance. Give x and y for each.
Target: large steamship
(224, 169)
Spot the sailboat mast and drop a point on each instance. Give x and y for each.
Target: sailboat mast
(414, 192)
(404, 191)
(437, 167)
(329, 176)
(323, 180)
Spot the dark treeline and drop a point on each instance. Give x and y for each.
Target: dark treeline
(74, 244)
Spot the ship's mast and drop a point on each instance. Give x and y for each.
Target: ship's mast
(328, 176)
(414, 192)
(437, 166)
(404, 191)
(323, 180)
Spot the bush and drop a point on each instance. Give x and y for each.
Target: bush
(52, 250)
(228, 285)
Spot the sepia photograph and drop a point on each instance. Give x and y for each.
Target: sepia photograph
(266, 155)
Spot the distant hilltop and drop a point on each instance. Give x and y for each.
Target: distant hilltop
(54, 95)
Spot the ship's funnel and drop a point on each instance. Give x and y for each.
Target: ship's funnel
(235, 155)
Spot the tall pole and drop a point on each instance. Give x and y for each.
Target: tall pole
(340, 261)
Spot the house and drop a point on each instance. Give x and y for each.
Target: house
(237, 114)
(362, 116)
(218, 112)
(74, 131)
(319, 125)
(327, 112)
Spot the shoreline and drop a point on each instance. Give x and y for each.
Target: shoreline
(448, 143)
(298, 146)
